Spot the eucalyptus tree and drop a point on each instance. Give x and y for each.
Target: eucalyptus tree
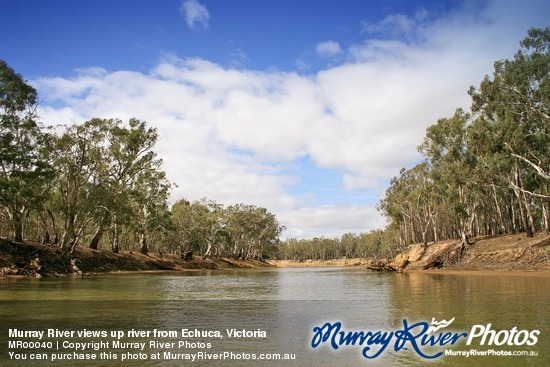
(492, 170)
(108, 177)
(82, 172)
(445, 147)
(396, 208)
(515, 103)
(206, 231)
(253, 231)
(199, 227)
(190, 225)
(238, 231)
(135, 180)
(374, 244)
(411, 204)
(149, 202)
(25, 171)
(349, 244)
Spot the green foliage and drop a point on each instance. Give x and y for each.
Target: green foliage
(375, 244)
(487, 172)
(25, 171)
(238, 231)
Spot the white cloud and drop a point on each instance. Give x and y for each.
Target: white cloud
(331, 220)
(196, 14)
(231, 135)
(328, 49)
(396, 23)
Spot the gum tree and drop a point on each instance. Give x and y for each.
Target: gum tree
(25, 171)
(515, 104)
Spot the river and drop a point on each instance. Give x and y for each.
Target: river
(282, 306)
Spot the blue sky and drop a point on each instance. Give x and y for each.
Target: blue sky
(133, 34)
(305, 107)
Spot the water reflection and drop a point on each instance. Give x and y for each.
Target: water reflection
(288, 303)
(504, 301)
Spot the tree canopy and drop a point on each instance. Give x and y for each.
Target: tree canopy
(487, 171)
(25, 167)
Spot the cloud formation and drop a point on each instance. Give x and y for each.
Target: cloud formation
(398, 24)
(237, 135)
(328, 49)
(196, 14)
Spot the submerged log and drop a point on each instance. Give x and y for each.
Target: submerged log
(74, 268)
(10, 270)
(35, 268)
(380, 265)
(386, 265)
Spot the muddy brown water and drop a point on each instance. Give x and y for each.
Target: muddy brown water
(203, 313)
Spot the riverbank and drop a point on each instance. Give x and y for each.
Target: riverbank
(18, 257)
(319, 263)
(515, 252)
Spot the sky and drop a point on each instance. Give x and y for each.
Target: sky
(305, 107)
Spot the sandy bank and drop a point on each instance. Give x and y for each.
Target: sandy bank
(506, 254)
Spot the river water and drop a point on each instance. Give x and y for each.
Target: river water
(287, 304)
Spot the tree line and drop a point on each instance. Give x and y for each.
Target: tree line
(100, 183)
(375, 244)
(484, 172)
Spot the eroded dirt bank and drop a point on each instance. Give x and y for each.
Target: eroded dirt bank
(496, 253)
(515, 252)
(18, 259)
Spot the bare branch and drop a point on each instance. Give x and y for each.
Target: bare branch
(537, 168)
(540, 196)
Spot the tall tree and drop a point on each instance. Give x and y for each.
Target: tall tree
(132, 165)
(109, 179)
(253, 231)
(516, 102)
(190, 225)
(25, 169)
(149, 204)
(452, 164)
(80, 159)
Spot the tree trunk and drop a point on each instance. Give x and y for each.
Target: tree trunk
(94, 243)
(68, 236)
(95, 240)
(143, 241)
(530, 221)
(405, 231)
(520, 196)
(513, 214)
(17, 222)
(402, 242)
(499, 212)
(434, 229)
(208, 251)
(54, 228)
(546, 215)
(115, 245)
